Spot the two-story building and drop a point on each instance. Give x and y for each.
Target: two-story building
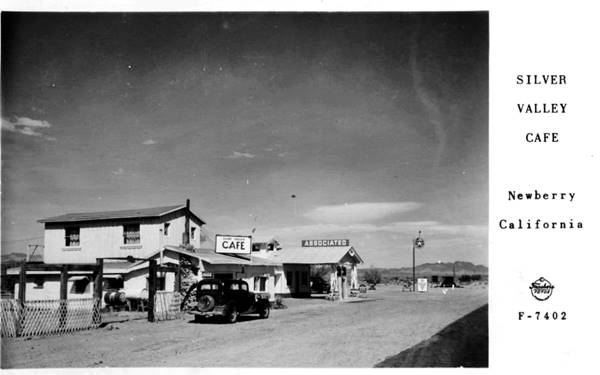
(83, 237)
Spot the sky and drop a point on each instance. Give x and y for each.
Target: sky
(365, 126)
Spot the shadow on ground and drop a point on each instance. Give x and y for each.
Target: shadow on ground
(463, 343)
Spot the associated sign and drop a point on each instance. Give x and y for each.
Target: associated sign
(225, 244)
(325, 243)
(422, 285)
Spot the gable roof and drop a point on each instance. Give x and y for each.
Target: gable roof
(318, 255)
(152, 212)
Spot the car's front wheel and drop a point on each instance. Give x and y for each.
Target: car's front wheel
(264, 312)
(232, 314)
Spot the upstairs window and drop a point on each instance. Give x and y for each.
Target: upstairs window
(72, 236)
(193, 233)
(131, 234)
(166, 228)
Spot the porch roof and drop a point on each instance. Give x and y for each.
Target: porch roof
(211, 257)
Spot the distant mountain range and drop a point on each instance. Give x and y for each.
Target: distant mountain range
(431, 269)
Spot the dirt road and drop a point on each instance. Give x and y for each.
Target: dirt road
(309, 333)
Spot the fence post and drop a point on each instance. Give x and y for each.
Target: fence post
(98, 285)
(64, 278)
(151, 288)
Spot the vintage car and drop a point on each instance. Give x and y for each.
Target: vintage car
(319, 286)
(227, 299)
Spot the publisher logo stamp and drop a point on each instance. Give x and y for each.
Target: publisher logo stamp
(541, 289)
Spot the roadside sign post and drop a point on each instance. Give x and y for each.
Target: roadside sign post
(417, 243)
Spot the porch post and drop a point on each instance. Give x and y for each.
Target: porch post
(151, 288)
(98, 286)
(22, 283)
(64, 277)
(4, 279)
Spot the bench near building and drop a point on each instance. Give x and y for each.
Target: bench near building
(173, 235)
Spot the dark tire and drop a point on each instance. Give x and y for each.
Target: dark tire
(232, 314)
(264, 312)
(206, 303)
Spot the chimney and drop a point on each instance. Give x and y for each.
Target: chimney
(186, 234)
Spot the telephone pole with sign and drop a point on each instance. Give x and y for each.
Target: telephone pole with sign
(417, 243)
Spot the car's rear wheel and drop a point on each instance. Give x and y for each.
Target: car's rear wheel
(232, 314)
(264, 312)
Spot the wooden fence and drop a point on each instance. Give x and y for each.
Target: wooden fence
(48, 317)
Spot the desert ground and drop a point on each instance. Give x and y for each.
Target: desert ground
(308, 333)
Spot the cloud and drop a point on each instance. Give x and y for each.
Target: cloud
(239, 155)
(149, 142)
(26, 121)
(360, 212)
(29, 131)
(118, 172)
(26, 126)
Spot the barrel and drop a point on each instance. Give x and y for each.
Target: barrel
(115, 298)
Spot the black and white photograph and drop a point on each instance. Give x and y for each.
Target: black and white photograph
(245, 189)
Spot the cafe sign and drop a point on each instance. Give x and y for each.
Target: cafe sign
(325, 243)
(227, 244)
